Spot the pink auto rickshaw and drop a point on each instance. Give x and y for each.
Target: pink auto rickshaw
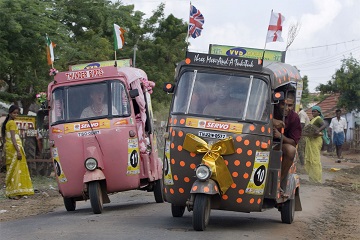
(101, 135)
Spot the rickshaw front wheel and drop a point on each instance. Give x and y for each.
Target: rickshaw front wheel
(70, 204)
(158, 191)
(177, 211)
(95, 196)
(201, 212)
(288, 211)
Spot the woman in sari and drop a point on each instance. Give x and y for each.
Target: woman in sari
(315, 133)
(17, 180)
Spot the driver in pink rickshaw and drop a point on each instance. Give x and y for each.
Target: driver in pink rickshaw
(292, 132)
(97, 107)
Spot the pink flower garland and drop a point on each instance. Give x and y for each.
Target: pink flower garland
(148, 85)
(53, 72)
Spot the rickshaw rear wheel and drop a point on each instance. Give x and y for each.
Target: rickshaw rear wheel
(177, 211)
(288, 211)
(95, 196)
(158, 191)
(201, 212)
(70, 204)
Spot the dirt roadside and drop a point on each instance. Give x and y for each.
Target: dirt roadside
(339, 218)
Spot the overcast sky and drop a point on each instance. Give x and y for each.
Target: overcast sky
(330, 29)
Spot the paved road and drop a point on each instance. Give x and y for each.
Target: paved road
(135, 215)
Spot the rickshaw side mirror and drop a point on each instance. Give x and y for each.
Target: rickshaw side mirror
(134, 93)
(278, 96)
(169, 87)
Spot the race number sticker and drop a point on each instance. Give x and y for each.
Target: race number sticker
(133, 167)
(58, 169)
(212, 135)
(257, 181)
(168, 179)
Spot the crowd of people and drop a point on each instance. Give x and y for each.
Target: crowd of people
(306, 136)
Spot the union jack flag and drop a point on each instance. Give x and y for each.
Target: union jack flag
(196, 22)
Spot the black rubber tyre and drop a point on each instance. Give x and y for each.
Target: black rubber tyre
(30, 147)
(158, 191)
(201, 212)
(70, 204)
(288, 211)
(177, 211)
(95, 196)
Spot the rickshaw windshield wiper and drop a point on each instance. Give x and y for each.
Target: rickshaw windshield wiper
(93, 132)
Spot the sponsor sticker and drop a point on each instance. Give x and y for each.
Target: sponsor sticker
(214, 125)
(257, 181)
(58, 169)
(168, 178)
(85, 126)
(133, 167)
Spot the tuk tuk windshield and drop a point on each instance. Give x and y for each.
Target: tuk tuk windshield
(222, 96)
(90, 101)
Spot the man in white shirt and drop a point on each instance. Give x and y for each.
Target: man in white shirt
(304, 118)
(338, 127)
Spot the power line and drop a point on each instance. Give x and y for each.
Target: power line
(328, 45)
(335, 57)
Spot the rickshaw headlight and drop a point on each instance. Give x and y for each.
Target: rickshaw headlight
(91, 164)
(203, 172)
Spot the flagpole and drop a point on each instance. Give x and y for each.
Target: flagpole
(263, 55)
(115, 65)
(187, 33)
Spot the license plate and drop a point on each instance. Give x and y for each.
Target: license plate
(83, 134)
(212, 135)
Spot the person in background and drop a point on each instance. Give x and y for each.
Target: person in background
(17, 180)
(292, 131)
(304, 121)
(304, 118)
(338, 126)
(316, 132)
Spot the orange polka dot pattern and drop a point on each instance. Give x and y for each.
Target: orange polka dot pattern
(240, 164)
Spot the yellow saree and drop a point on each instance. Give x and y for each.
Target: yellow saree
(18, 181)
(312, 154)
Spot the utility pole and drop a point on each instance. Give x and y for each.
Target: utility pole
(134, 58)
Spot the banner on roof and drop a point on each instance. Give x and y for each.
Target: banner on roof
(232, 51)
(120, 63)
(223, 61)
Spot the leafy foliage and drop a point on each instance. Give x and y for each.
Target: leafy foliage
(305, 97)
(83, 32)
(346, 81)
(23, 25)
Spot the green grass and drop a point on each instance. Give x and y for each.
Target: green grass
(42, 182)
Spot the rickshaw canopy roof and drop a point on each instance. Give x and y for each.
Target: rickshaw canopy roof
(81, 76)
(281, 73)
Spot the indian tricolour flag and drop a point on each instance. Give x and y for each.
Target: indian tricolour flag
(119, 39)
(50, 50)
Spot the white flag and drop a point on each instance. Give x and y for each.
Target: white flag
(119, 39)
(275, 28)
